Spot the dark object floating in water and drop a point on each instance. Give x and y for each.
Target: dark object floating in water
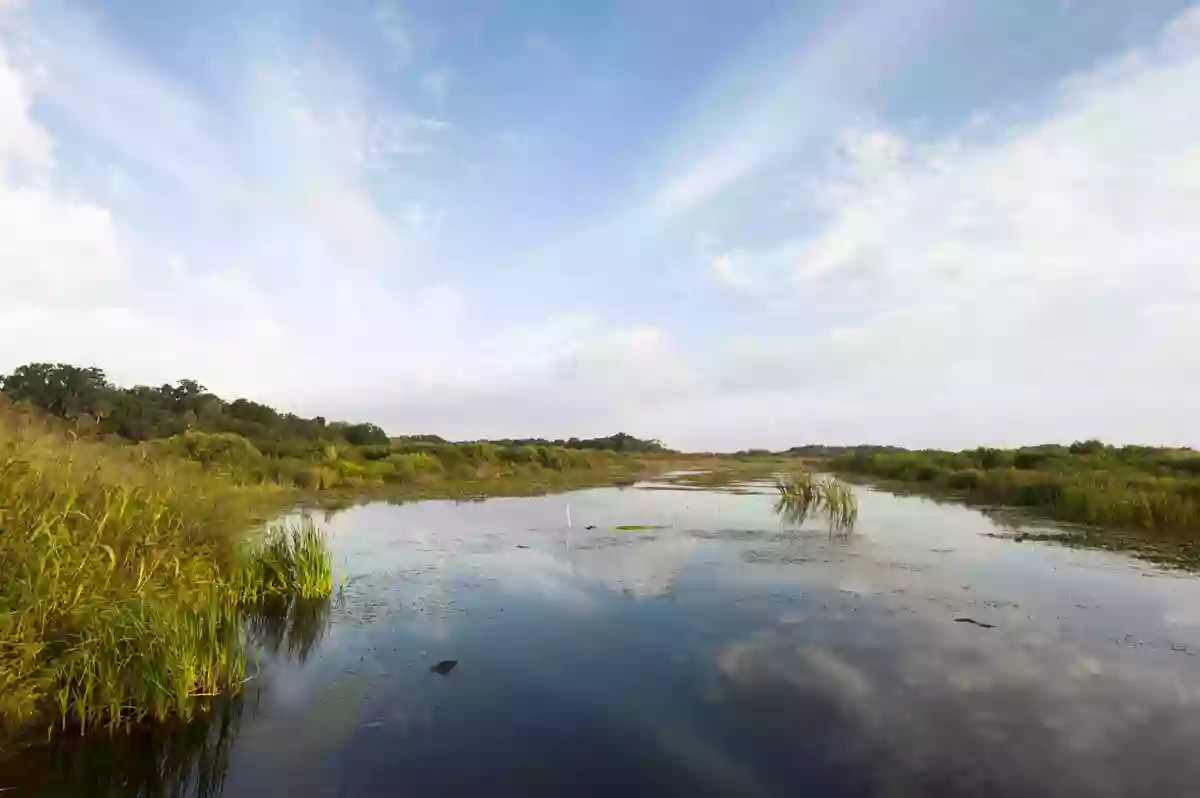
(443, 667)
(522, 546)
(590, 526)
(977, 623)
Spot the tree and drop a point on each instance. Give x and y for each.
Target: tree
(364, 435)
(63, 390)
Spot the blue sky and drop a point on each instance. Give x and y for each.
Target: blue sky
(726, 224)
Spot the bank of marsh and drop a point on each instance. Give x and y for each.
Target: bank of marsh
(127, 577)
(1144, 488)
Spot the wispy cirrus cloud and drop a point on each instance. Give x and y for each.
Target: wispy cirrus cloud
(1026, 269)
(833, 76)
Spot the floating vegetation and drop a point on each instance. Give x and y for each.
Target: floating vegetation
(802, 496)
(638, 527)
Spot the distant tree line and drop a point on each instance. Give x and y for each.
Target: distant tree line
(85, 396)
(257, 445)
(143, 412)
(621, 442)
(821, 450)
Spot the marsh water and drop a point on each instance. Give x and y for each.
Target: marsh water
(496, 648)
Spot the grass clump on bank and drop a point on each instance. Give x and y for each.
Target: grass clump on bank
(125, 576)
(1134, 487)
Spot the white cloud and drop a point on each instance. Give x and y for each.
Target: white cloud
(52, 243)
(282, 173)
(22, 141)
(1183, 32)
(1039, 276)
(729, 270)
(117, 317)
(828, 80)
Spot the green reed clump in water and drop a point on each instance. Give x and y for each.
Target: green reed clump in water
(124, 579)
(290, 559)
(803, 495)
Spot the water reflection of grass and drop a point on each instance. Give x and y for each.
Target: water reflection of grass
(480, 489)
(289, 625)
(174, 756)
(729, 473)
(169, 758)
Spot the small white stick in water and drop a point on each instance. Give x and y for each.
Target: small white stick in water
(568, 516)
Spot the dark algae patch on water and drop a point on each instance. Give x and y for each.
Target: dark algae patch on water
(491, 648)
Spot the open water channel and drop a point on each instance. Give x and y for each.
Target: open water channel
(493, 648)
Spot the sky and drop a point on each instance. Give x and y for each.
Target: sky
(723, 224)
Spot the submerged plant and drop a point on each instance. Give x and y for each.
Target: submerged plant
(803, 495)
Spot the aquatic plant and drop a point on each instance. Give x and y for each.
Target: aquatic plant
(289, 559)
(803, 495)
(126, 577)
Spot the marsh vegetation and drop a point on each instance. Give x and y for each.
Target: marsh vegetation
(804, 495)
(1134, 487)
(254, 445)
(128, 578)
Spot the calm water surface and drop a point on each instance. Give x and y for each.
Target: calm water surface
(720, 654)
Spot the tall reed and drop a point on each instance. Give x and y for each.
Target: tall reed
(124, 578)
